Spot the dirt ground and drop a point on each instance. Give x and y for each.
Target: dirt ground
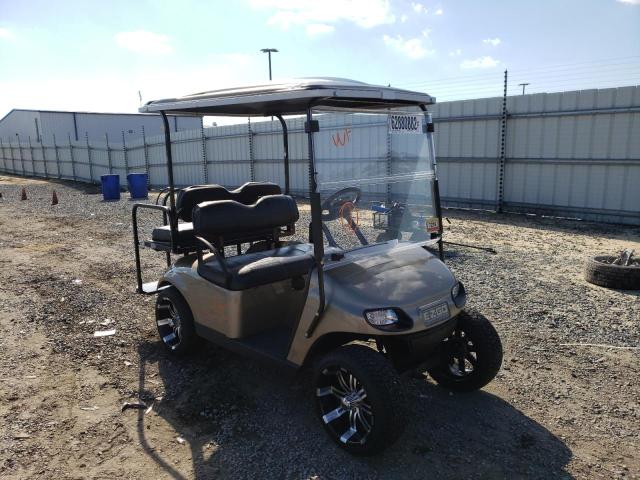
(554, 411)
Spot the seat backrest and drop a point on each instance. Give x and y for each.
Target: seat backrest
(250, 192)
(191, 196)
(224, 218)
(247, 194)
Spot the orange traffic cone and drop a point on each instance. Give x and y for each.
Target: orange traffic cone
(54, 198)
(23, 196)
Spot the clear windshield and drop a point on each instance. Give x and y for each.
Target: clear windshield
(375, 177)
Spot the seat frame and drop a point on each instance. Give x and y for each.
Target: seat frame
(173, 247)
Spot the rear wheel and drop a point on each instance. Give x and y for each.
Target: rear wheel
(360, 399)
(471, 355)
(175, 322)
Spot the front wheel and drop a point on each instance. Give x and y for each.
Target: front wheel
(360, 399)
(470, 357)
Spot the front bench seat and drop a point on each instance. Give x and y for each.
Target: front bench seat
(221, 219)
(261, 268)
(189, 197)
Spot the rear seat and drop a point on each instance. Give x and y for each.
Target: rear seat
(219, 219)
(189, 197)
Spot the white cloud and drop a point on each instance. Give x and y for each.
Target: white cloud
(455, 53)
(630, 2)
(492, 41)
(426, 32)
(404, 18)
(119, 87)
(364, 13)
(439, 11)
(418, 7)
(411, 47)
(5, 33)
(141, 41)
(482, 62)
(319, 29)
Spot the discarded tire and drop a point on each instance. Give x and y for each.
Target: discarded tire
(599, 271)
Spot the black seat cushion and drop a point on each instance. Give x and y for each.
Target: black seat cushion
(247, 194)
(185, 238)
(260, 268)
(228, 217)
(191, 196)
(250, 192)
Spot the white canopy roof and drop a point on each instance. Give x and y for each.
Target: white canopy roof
(289, 97)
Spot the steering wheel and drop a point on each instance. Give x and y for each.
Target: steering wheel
(332, 205)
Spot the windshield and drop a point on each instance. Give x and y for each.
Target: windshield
(375, 176)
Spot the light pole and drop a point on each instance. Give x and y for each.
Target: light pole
(523, 85)
(268, 51)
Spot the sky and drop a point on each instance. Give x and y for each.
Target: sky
(96, 56)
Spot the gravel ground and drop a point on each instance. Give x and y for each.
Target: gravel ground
(554, 411)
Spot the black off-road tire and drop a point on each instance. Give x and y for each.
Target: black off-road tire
(185, 331)
(599, 271)
(477, 330)
(385, 395)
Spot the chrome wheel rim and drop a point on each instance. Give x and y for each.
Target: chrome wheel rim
(463, 356)
(344, 406)
(168, 322)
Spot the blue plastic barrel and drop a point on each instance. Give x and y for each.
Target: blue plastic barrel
(138, 185)
(110, 187)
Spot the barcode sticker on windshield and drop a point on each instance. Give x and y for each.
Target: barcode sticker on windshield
(432, 225)
(405, 123)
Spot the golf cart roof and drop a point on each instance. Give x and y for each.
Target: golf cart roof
(289, 98)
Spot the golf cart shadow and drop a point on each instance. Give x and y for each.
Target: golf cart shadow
(240, 417)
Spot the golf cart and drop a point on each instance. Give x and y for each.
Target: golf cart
(310, 283)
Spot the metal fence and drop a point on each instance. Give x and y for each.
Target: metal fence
(573, 154)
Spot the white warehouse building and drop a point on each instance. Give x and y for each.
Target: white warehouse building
(44, 124)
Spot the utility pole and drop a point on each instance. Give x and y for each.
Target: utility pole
(269, 51)
(523, 85)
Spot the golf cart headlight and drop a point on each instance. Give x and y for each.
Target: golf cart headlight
(381, 318)
(459, 295)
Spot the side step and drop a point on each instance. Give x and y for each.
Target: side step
(270, 346)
